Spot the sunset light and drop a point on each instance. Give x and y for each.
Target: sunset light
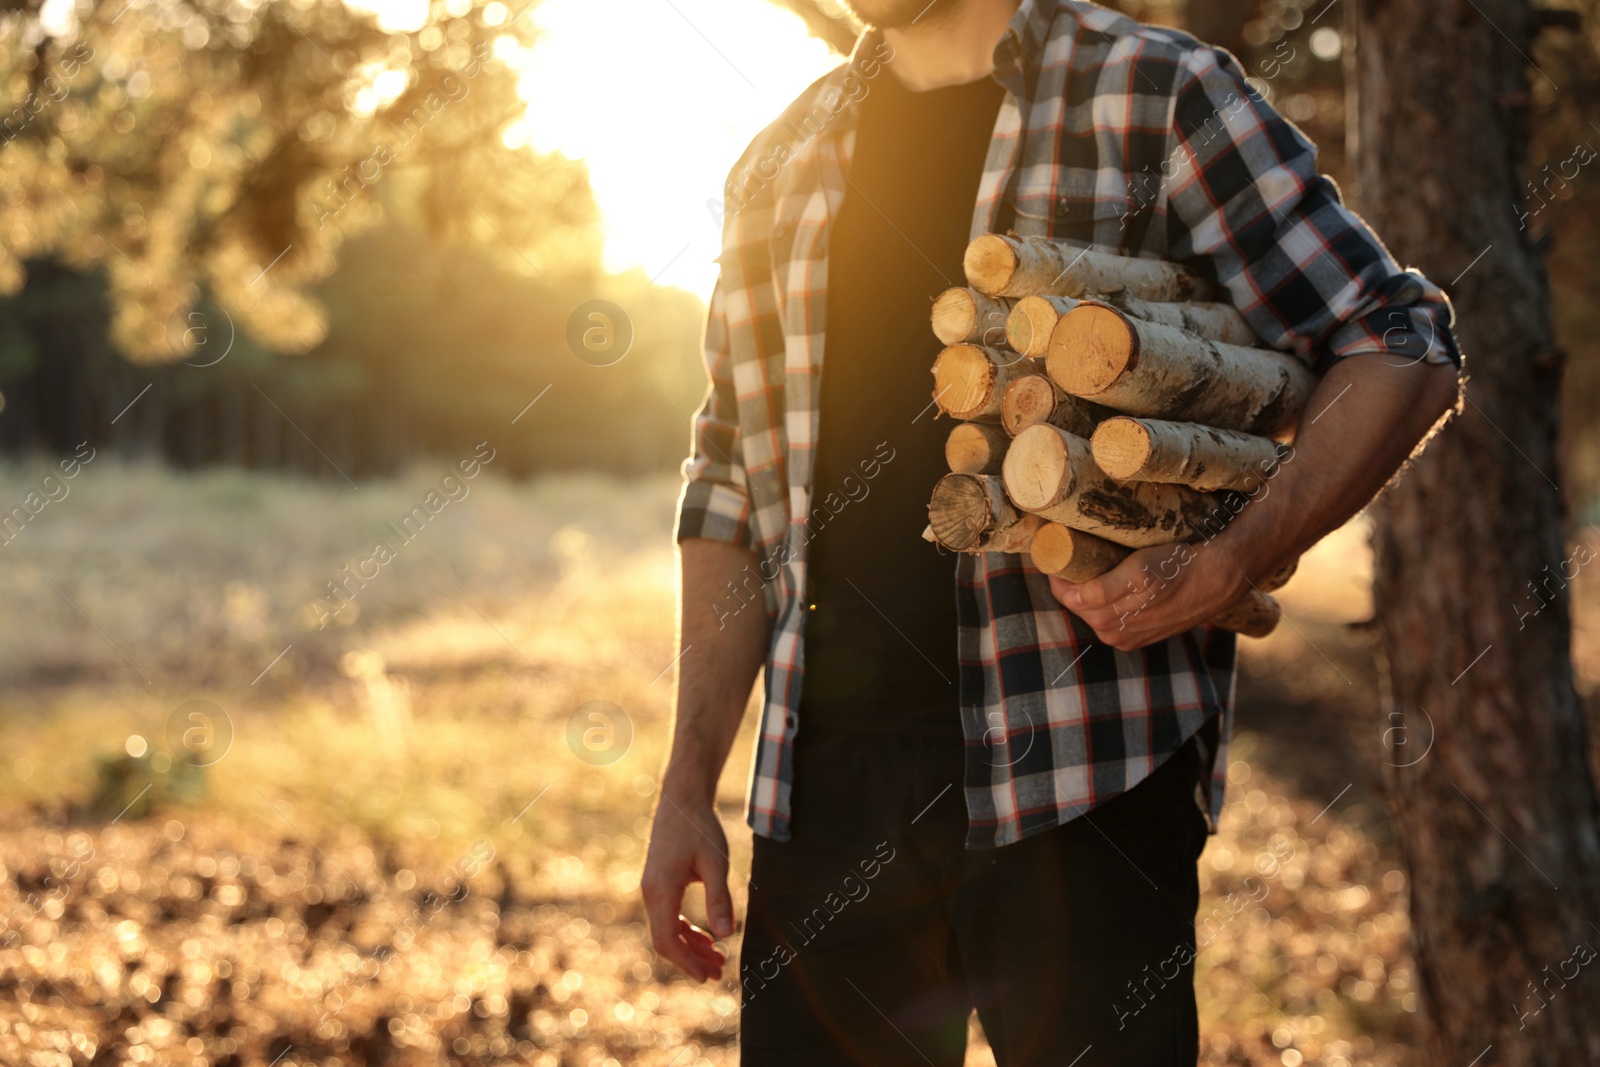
(448, 625)
(659, 98)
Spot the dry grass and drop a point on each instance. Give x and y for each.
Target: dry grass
(420, 745)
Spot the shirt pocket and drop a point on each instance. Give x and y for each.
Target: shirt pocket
(1069, 205)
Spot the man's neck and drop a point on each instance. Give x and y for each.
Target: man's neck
(949, 47)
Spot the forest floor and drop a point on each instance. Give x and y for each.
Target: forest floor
(389, 839)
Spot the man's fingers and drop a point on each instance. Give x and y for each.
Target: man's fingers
(704, 959)
(700, 942)
(674, 937)
(1099, 592)
(691, 949)
(662, 899)
(713, 872)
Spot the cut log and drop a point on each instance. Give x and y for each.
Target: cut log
(1253, 615)
(962, 314)
(1184, 453)
(1037, 266)
(1145, 368)
(1074, 556)
(1033, 319)
(1213, 321)
(1280, 577)
(1034, 399)
(1051, 473)
(976, 447)
(968, 380)
(970, 513)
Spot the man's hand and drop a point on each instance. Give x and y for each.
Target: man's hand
(1156, 593)
(723, 642)
(1364, 419)
(687, 845)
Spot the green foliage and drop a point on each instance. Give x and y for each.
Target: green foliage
(432, 346)
(134, 786)
(227, 148)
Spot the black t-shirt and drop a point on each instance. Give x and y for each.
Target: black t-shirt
(880, 636)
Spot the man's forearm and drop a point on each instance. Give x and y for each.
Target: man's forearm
(1367, 415)
(722, 651)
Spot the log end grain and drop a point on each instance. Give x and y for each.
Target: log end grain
(963, 379)
(1038, 467)
(960, 512)
(1029, 326)
(1090, 348)
(989, 262)
(975, 448)
(1121, 447)
(955, 316)
(1072, 555)
(1027, 402)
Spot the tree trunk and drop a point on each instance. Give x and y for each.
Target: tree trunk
(1220, 22)
(1497, 822)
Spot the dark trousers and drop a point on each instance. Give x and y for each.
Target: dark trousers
(874, 932)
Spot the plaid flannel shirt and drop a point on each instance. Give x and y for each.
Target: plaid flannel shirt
(1113, 135)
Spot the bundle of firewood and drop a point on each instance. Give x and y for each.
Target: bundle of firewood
(1104, 404)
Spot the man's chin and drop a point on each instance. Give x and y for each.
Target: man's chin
(898, 14)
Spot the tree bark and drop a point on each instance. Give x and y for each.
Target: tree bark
(962, 314)
(1033, 319)
(1184, 453)
(1038, 266)
(1072, 555)
(1497, 822)
(1031, 400)
(1220, 22)
(1051, 473)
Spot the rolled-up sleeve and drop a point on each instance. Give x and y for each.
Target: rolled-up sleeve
(1247, 208)
(715, 502)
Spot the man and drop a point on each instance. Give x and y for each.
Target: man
(976, 787)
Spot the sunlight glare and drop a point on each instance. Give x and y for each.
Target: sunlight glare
(394, 16)
(659, 97)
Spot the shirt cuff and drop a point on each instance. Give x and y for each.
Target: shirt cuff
(713, 510)
(1407, 334)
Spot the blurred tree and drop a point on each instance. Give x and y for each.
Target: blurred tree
(225, 147)
(1220, 22)
(432, 346)
(1498, 821)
